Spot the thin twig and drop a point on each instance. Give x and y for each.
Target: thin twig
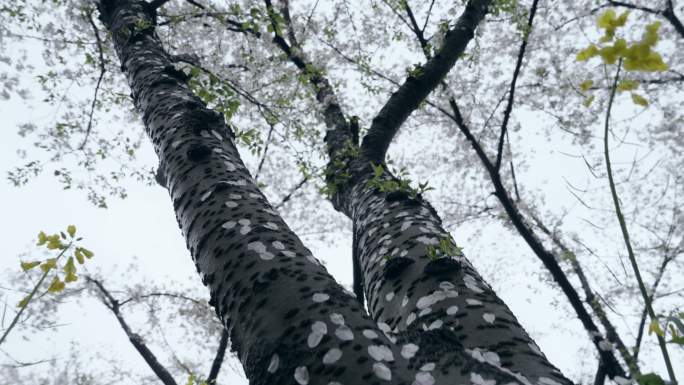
(511, 91)
(103, 69)
(263, 155)
(289, 195)
(112, 304)
(623, 227)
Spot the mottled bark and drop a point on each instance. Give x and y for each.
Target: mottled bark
(439, 309)
(289, 321)
(434, 299)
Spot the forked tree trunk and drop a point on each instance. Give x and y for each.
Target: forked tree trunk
(289, 321)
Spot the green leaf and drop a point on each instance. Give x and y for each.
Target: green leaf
(650, 379)
(24, 301)
(70, 270)
(42, 238)
(639, 100)
(26, 266)
(654, 327)
(48, 265)
(79, 255)
(377, 169)
(586, 85)
(678, 340)
(71, 229)
(86, 252)
(56, 285)
(627, 85)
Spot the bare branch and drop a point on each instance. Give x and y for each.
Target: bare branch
(511, 91)
(263, 155)
(99, 79)
(112, 304)
(338, 127)
(589, 294)
(156, 4)
(289, 195)
(418, 86)
(218, 358)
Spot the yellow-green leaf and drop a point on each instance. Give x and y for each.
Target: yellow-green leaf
(587, 102)
(56, 285)
(606, 19)
(26, 266)
(622, 19)
(654, 327)
(87, 253)
(71, 229)
(587, 53)
(191, 380)
(70, 270)
(79, 255)
(639, 100)
(586, 85)
(42, 238)
(49, 264)
(609, 54)
(651, 35)
(53, 242)
(24, 301)
(627, 85)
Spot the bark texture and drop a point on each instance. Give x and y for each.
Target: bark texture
(434, 320)
(289, 321)
(425, 292)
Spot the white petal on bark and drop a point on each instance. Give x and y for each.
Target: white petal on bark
(382, 371)
(409, 350)
(332, 356)
(301, 375)
(275, 362)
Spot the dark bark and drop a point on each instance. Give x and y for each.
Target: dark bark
(668, 13)
(511, 208)
(439, 298)
(289, 321)
(417, 87)
(218, 358)
(391, 234)
(511, 90)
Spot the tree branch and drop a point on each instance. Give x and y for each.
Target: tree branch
(654, 287)
(218, 359)
(590, 297)
(668, 13)
(511, 91)
(156, 4)
(112, 304)
(99, 79)
(289, 195)
(612, 366)
(338, 127)
(418, 86)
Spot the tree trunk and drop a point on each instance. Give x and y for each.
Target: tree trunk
(289, 321)
(423, 288)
